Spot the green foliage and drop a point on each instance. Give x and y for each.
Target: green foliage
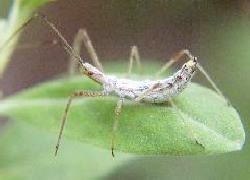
(144, 128)
(27, 153)
(20, 12)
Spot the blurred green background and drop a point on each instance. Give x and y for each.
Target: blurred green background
(218, 32)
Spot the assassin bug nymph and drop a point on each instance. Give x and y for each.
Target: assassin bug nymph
(150, 91)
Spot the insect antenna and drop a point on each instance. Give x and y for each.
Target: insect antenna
(52, 26)
(64, 41)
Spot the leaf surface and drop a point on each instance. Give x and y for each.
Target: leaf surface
(28, 153)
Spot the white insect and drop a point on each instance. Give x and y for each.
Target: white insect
(149, 91)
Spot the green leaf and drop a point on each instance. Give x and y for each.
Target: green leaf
(20, 11)
(204, 124)
(27, 153)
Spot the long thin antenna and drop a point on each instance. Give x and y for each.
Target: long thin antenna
(52, 26)
(65, 42)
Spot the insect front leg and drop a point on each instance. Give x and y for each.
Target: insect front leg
(118, 110)
(134, 56)
(175, 59)
(77, 44)
(82, 37)
(90, 48)
(83, 93)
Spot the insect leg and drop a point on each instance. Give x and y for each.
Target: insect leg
(90, 48)
(134, 56)
(83, 93)
(186, 124)
(77, 43)
(209, 79)
(200, 67)
(174, 59)
(116, 123)
(82, 37)
(145, 93)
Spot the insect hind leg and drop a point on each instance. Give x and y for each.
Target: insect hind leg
(134, 56)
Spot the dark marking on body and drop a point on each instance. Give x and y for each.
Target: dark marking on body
(170, 85)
